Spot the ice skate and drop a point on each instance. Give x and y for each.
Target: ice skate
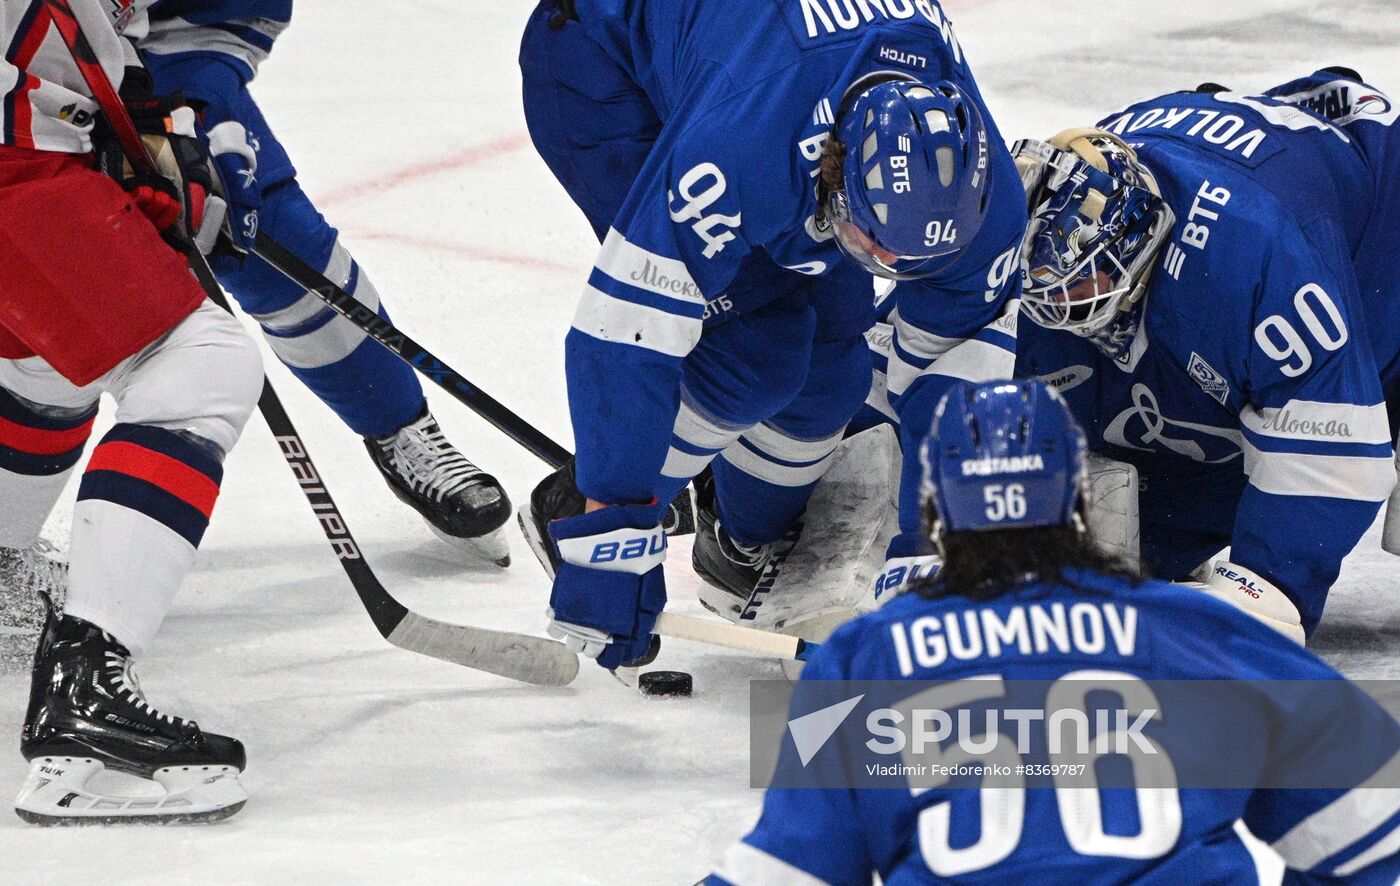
(24, 574)
(557, 497)
(554, 498)
(737, 576)
(464, 505)
(98, 751)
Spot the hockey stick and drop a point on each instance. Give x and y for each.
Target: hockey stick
(714, 633)
(411, 352)
(681, 518)
(517, 656)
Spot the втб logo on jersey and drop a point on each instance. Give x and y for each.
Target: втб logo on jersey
(1150, 431)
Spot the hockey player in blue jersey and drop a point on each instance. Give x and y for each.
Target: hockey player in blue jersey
(1211, 281)
(1003, 487)
(210, 51)
(748, 167)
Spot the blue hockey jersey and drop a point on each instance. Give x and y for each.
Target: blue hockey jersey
(238, 32)
(1250, 399)
(747, 94)
(1046, 832)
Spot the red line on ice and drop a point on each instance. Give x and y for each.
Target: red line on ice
(466, 250)
(468, 156)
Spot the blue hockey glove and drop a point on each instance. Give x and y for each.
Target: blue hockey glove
(909, 558)
(609, 587)
(236, 161)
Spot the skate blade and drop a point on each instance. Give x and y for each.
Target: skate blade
(493, 546)
(533, 539)
(56, 792)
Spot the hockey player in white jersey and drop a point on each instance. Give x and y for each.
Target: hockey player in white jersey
(1212, 285)
(120, 314)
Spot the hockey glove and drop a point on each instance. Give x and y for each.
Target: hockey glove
(236, 162)
(1255, 595)
(609, 587)
(908, 559)
(178, 199)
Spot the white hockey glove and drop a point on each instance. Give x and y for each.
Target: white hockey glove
(1255, 595)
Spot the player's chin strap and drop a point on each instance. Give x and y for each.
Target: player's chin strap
(1259, 597)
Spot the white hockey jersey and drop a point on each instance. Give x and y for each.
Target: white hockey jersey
(44, 103)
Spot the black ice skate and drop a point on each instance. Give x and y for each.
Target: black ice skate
(87, 714)
(554, 498)
(25, 573)
(737, 576)
(461, 502)
(557, 496)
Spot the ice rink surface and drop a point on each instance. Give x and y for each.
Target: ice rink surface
(372, 765)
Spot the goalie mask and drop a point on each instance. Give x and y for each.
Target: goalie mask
(915, 175)
(1097, 223)
(1002, 455)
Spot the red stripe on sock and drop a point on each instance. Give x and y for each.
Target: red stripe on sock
(36, 441)
(170, 474)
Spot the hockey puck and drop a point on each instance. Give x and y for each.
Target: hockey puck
(665, 683)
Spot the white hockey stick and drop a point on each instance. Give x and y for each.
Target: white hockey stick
(718, 633)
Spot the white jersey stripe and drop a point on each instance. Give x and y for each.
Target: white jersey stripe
(1323, 422)
(1382, 848)
(975, 361)
(684, 465)
(621, 322)
(628, 263)
(700, 431)
(1326, 476)
(745, 865)
(1341, 823)
(755, 465)
(779, 445)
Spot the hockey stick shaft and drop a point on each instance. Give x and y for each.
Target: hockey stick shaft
(391, 337)
(368, 321)
(517, 656)
(728, 636)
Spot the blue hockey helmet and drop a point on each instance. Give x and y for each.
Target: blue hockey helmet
(1097, 223)
(1002, 455)
(915, 175)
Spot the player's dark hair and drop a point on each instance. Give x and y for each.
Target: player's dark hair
(985, 564)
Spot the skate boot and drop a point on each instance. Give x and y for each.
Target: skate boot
(737, 576)
(25, 573)
(461, 502)
(557, 496)
(87, 715)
